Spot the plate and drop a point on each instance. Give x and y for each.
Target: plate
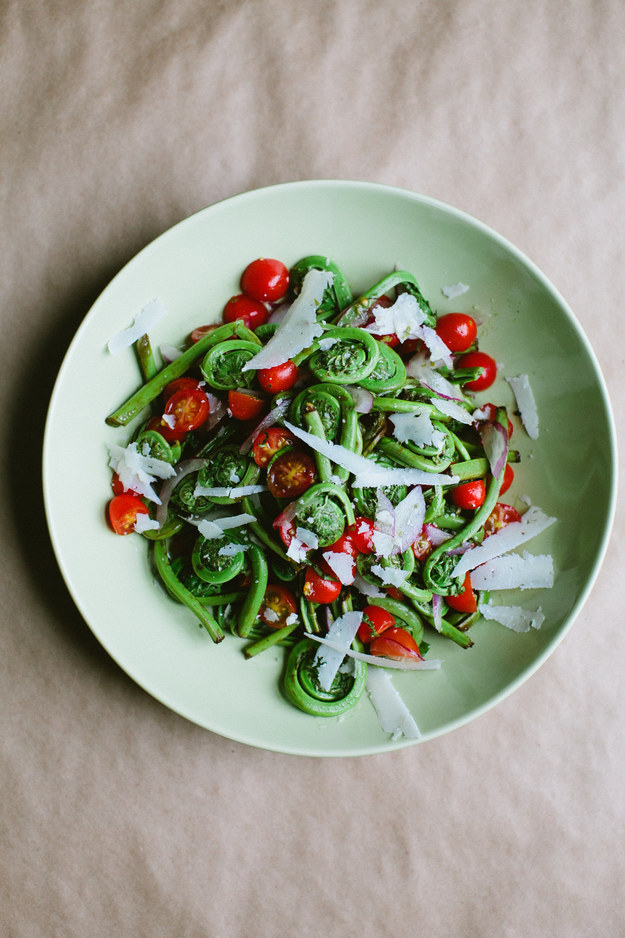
(569, 471)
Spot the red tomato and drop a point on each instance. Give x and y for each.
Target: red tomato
(464, 601)
(344, 545)
(361, 532)
(375, 620)
(116, 485)
(284, 527)
(508, 479)
(279, 378)
(457, 330)
(500, 516)
(200, 332)
(422, 547)
(410, 347)
(320, 589)
(180, 384)
(265, 279)
(395, 643)
(268, 442)
(479, 360)
(290, 474)
(278, 604)
(469, 494)
(252, 312)
(394, 593)
(189, 408)
(244, 404)
(123, 510)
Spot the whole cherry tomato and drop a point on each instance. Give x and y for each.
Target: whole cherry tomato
(483, 361)
(279, 378)
(252, 312)
(268, 442)
(320, 588)
(457, 330)
(464, 601)
(375, 620)
(469, 494)
(123, 511)
(265, 279)
(395, 643)
(244, 404)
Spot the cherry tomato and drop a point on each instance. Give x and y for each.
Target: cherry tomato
(422, 547)
(457, 330)
(180, 384)
(508, 479)
(410, 347)
(268, 442)
(200, 332)
(490, 412)
(479, 360)
(244, 404)
(361, 532)
(344, 545)
(116, 485)
(500, 516)
(320, 589)
(189, 408)
(252, 312)
(285, 527)
(279, 378)
(464, 601)
(265, 279)
(469, 494)
(290, 474)
(394, 593)
(278, 604)
(395, 643)
(123, 510)
(375, 620)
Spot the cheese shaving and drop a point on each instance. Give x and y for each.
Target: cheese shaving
(342, 566)
(513, 617)
(145, 523)
(533, 522)
(299, 328)
(515, 571)
(392, 712)
(526, 404)
(416, 427)
(211, 528)
(456, 289)
(224, 491)
(151, 313)
(137, 472)
(328, 660)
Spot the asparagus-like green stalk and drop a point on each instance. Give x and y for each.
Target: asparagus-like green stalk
(182, 594)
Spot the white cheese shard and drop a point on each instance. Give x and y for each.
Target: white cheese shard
(378, 661)
(513, 617)
(393, 714)
(299, 328)
(137, 472)
(390, 576)
(526, 404)
(151, 313)
(229, 550)
(416, 427)
(328, 660)
(423, 371)
(169, 352)
(515, 571)
(145, 523)
(454, 410)
(533, 522)
(309, 538)
(367, 472)
(225, 491)
(454, 290)
(403, 319)
(215, 527)
(367, 589)
(342, 566)
(297, 550)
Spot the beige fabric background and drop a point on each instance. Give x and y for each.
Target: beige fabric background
(118, 119)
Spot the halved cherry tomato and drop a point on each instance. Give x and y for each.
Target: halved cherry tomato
(265, 279)
(251, 311)
(279, 378)
(268, 442)
(422, 547)
(508, 479)
(361, 533)
(285, 527)
(394, 593)
(375, 620)
(395, 643)
(320, 588)
(123, 510)
(290, 474)
(500, 516)
(244, 404)
(457, 330)
(200, 332)
(278, 604)
(464, 601)
(469, 494)
(189, 408)
(483, 361)
(180, 384)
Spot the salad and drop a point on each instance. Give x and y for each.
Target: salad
(313, 473)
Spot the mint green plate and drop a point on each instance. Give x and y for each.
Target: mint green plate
(569, 471)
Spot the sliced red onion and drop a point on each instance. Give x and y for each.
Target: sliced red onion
(435, 535)
(409, 517)
(495, 442)
(268, 421)
(437, 611)
(363, 399)
(184, 468)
